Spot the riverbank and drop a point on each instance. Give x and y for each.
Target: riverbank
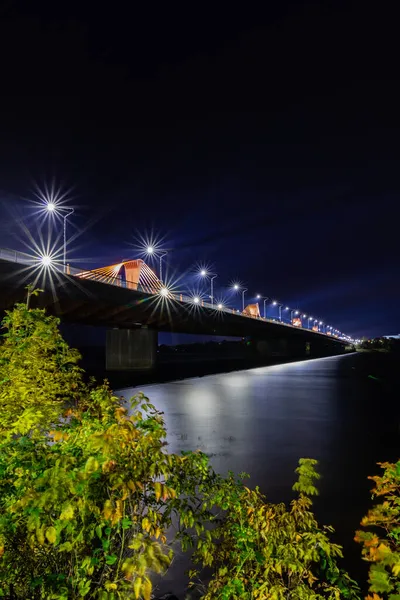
(172, 366)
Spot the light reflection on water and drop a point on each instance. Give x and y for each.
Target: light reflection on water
(263, 420)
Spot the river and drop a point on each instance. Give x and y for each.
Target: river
(341, 410)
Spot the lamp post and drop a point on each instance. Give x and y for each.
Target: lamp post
(237, 287)
(164, 253)
(212, 276)
(67, 214)
(309, 319)
(53, 208)
(264, 298)
(275, 303)
(244, 290)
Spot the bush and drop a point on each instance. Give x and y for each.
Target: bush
(383, 551)
(86, 498)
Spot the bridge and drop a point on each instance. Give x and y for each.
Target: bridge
(130, 300)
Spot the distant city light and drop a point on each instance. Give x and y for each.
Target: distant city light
(304, 316)
(296, 312)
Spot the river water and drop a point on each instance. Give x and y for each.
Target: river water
(343, 411)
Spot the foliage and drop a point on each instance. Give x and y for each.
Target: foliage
(39, 373)
(266, 551)
(381, 544)
(82, 503)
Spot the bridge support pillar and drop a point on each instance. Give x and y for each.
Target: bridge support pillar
(131, 349)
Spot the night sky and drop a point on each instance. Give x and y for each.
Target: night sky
(261, 141)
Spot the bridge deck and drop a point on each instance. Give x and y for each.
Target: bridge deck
(91, 302)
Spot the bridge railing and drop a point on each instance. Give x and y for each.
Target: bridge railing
(27, 260)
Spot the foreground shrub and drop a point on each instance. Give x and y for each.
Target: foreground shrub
(381, 544)
(267, 551)
(84, 485)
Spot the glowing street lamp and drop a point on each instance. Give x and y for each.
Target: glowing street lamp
(46, 260)
(220, 306)
(153, 250)
(265, 299)
(196, 300)
(237, 288)
(275, 303)
(51, 207)
(212, 276)
(164, 292)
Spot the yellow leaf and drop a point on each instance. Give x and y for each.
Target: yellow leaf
(147, 589)
(137, 586)
(40, 535)
(146, 524)
(158, 490)
(117, 516)
(396, 569)
(51, 535)
(107, 510)
(110, 586)
(67, 513)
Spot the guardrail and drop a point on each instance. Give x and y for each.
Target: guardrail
(27, 260)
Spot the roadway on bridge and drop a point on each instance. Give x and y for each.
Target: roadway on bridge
(91, 302)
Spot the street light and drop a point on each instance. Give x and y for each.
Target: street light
(212, 276)
(53, 208)
(164, 292)
(265, 299)
(275, 303)
(196, 300)
(46, 260)
(237, 287)
(164, 253)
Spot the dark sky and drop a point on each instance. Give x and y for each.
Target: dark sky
(262, 140)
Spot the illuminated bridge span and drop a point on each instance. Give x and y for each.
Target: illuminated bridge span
(132, 302)
(132, 274)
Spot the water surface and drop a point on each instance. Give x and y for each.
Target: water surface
(340, 410)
